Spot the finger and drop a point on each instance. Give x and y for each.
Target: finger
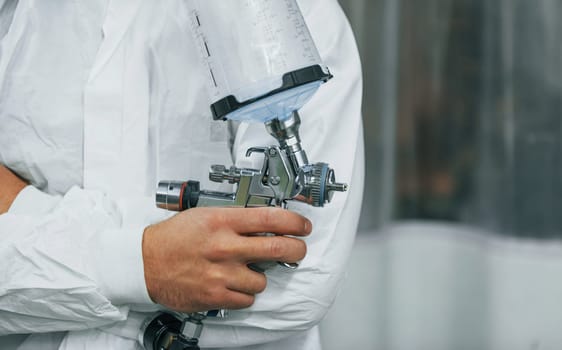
(217, 294)
(230, 300)
(236, 300)
(274, 220)
(243, 280)
(276, 248)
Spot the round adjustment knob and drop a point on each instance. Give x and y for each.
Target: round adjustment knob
(217, 173)
(322, 184)
(318, 184)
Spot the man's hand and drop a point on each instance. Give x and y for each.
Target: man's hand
(10, 187)
(197, 260)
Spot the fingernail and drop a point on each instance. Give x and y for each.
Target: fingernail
(307, 226)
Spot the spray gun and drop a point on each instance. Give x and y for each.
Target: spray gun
(286, 174)
(266, 78)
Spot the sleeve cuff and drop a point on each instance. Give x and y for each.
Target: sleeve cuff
(117, 255)
(31, 201)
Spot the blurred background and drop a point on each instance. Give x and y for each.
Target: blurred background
(460, 243)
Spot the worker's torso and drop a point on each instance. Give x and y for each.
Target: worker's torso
(107, 95)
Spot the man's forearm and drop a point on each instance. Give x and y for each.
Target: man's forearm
(10, 187)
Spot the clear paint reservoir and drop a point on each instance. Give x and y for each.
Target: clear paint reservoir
(261, 60)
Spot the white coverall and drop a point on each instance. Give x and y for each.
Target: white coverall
(101, 99)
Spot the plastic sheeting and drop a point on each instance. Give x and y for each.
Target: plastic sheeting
(434, 286)
(463, 116)
(463, 112)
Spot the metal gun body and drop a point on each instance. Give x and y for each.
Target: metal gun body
(285, 175)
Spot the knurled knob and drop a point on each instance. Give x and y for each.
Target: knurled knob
(318, 184)
(217, 173)
(322, 184)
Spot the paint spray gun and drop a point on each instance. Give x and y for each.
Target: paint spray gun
(265, 78)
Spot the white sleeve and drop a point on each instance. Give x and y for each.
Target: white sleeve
(68, 263)
(331, 132)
